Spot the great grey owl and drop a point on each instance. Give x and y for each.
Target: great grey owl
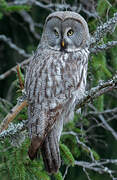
(55, 80)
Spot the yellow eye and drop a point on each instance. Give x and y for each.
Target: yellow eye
(56, 33)
(70, 32)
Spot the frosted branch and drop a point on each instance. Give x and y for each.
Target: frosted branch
(13, 129)
(101, 31)
(98, 48)
(97, 91)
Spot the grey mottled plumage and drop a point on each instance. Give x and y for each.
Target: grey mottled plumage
(55, 79)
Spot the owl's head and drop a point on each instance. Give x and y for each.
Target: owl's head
(66, 31)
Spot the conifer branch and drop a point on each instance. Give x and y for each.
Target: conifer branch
(12, 114)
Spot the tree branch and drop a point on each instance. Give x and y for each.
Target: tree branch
(48, 6)
(108, 127)
(65, 173)
(13, 69)
(6, 102)
(11, 115)
(111, 111)
(13, 129)
(97, 91)
(13, 46)
(98, 165)
(101, 31)
(81, 143)
(31, 23)
(98, 48)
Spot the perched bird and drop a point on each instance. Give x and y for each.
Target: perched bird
(55, 80)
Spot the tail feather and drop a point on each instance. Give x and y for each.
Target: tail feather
(50, 153)
(46, 154)
(33, 149)
(49, 147)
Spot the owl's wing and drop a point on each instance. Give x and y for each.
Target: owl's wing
(42, 111)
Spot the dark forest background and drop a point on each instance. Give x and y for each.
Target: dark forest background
(88, 144)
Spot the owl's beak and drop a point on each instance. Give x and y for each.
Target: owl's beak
(62, 44)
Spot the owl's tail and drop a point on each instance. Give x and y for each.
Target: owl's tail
(49, 149)
(50, 153)
(33, 149)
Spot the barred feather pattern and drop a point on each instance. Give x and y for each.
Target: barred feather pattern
(54, 81)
